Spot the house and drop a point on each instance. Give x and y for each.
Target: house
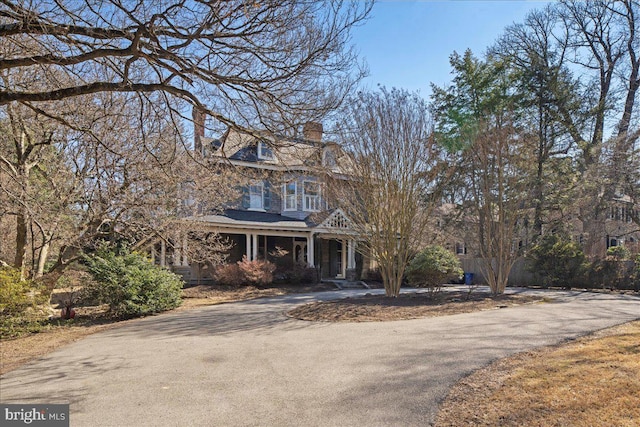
(282, 208)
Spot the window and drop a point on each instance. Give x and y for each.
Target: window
(290, 196)
(329, 158)
(255, 196)
(311, 198)
(461, 248)
(264, 151)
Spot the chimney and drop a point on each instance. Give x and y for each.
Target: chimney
(198, 128)
(312, 131)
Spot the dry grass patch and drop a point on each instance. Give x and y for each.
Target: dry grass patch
(379, 308)
(593, 381)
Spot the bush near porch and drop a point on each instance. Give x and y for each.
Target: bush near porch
(257, 272)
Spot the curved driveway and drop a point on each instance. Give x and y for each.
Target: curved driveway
(246, 364)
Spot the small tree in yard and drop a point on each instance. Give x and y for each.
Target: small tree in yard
(433, 267)
(558, 260)
(395, 171)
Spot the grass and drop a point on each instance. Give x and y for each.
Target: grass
(593, 381)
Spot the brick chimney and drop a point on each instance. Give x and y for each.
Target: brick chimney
(198, 128)
(312, 131)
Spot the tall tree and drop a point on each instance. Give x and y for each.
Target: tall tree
(538, 62)
(394, 174)
(477, 117)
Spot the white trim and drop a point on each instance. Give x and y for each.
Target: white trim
(313, 199)
(253, 197)
(285, 195)
(310, 251)
(254, 247)
(261, 156)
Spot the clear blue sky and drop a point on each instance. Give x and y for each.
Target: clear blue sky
(407, 44)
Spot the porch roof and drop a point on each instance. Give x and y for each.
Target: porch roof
(252, 220)
(243, 221)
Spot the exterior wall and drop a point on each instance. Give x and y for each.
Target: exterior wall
(518, 276)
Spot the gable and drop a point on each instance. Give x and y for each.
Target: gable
(337, 222)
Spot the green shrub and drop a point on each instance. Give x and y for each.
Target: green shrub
(618, 253)
(130, 284)
(558, 260)
(433, 267)
(18, 295)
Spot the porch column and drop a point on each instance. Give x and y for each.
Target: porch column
(163, 253)
(254, 247)
(153, 254)
(310, 254)
(184, 261)
(248, 252)
(345, 249)
(351, 253)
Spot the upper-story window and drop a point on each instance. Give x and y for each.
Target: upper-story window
(290, 196)
(311, 196)
(257, 196)
(264, 151)
(256, 200)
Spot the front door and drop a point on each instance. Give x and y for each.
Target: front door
(335, 258)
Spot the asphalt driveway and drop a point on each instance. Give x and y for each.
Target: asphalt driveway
(246, 364)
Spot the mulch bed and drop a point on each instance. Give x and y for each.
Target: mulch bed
(379, 308)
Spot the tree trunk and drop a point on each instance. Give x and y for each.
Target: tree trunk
(21, 244)
(42, 259)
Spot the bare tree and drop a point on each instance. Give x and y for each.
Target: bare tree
(272, 64)
(392, 177)
(117, 171)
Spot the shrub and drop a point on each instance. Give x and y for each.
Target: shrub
(130, 284)
(17, 295)
(558, 260)
(296, 274)
(615, 271)
(229, 274)
(433, 267)
(257, 272)
(619, 253)
(636, 273)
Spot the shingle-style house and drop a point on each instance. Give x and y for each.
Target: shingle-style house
(284, 208)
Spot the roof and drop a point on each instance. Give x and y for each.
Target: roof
(243, 220)
(232, 218)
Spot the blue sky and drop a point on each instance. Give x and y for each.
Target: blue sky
(407, 43)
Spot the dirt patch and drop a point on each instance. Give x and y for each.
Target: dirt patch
(196, 296)
(379, 308)
(591, 381)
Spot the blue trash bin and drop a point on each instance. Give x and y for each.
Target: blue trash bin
(468, 278)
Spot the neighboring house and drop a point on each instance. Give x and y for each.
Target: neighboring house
(282, 210)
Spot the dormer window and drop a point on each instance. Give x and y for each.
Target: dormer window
(264, 151)
(329, 158)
